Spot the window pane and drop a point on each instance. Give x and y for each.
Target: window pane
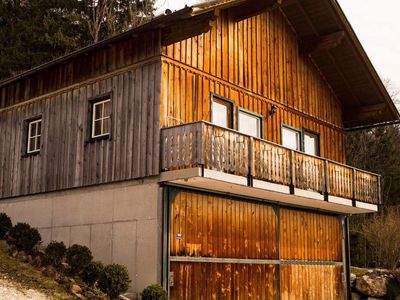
(31, 147)
(106, 126)
(37, 146)
(97, 128)
(39, 127)
(32, 129)
(311, 144)
(220, 114)
(98, 111)
(107, 109)
(249, 124)
(290, 138)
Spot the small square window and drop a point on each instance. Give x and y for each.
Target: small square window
(34, 134)
(101, 114)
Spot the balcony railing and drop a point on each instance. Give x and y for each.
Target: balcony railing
(216, 148)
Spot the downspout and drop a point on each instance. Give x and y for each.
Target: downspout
(347, 256)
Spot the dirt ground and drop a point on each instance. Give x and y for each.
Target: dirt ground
(13, 291)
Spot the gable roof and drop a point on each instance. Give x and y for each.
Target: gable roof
(324, 34)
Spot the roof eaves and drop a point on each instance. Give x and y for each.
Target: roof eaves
(363, 55)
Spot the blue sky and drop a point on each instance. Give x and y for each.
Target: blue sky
(376, 23)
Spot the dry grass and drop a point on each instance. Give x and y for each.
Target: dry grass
(27, 277)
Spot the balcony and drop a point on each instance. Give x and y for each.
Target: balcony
(202, 155)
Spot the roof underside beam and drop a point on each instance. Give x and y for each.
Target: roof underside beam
(252, 8)
(316, 44)
(359, 114)
(188, 27)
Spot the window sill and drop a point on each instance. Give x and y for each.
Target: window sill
(30, 154)
(99, 138)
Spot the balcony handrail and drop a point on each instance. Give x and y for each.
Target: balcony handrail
(273, 144)
(199, 147)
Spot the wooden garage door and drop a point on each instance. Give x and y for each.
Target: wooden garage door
(228, 248)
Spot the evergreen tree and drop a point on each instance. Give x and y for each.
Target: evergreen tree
(36, 31)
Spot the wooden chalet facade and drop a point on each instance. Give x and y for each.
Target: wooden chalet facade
(204, 150)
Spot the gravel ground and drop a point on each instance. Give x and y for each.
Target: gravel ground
(12, 291)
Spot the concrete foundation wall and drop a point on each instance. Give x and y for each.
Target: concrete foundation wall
(120, 223)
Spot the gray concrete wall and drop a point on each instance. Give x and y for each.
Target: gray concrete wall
(120, 223)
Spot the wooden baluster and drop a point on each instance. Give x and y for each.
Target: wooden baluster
(292, 172)
(251, 160)
(200, 145)
(326, 179)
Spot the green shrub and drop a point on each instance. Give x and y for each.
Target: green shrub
(55, 252)
(25, 236)
(393, 289)
(91, 273)
(114, 280)
(5, 225)
(78, 257)
(154, 292)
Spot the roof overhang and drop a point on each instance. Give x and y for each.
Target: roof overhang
(342, 60)
(324, 35)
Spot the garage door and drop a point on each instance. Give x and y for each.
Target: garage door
(228, 248)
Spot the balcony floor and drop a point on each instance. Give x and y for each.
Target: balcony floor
(220, 182)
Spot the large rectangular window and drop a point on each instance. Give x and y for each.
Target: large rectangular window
(250, 123)
(101, 118)
(222, 112)
(34, 134)
(291, 138)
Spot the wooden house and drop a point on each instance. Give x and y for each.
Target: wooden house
(204, 150)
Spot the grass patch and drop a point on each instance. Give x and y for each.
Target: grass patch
(30, 278)
(358, 271)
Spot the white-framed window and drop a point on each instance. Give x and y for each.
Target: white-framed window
(291, 138)
(249, 123)
(34, 134)
(101, 118)
(221, 112)
(311, 143)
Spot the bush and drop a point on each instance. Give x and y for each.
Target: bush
(114, 280)
(383, 239)
(25, 236)
(5, 225)
(393, 289)
(154, 292)
(55, 252)
(78, 257)
(91, 273)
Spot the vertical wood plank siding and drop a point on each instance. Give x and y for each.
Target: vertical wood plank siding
(312, 282)
(256, 64)
(310, 236)
(225, 229)
(67, 159)
(247, 229)
(201, 281)
(90, 65)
